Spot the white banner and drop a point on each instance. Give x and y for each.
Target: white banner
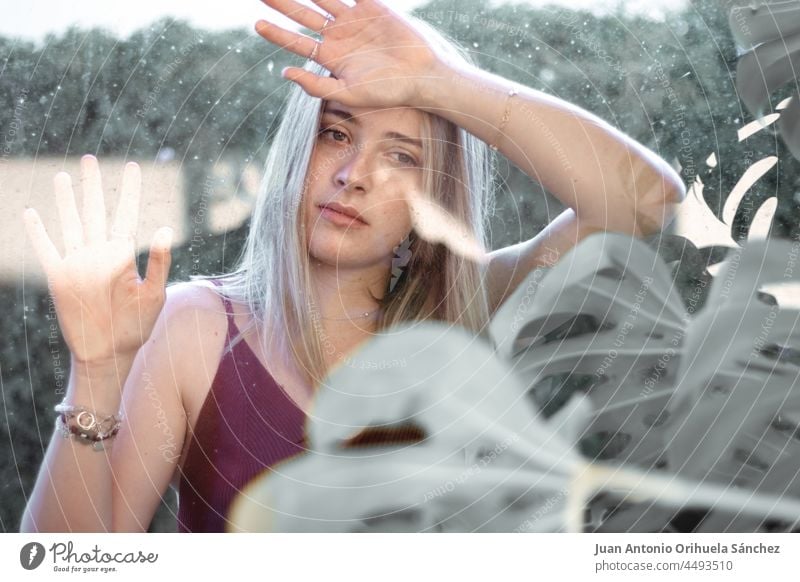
(388, 557)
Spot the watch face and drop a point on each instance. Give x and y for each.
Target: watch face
(84, 427)
(86, 420)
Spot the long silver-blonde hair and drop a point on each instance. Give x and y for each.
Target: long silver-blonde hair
(271, 278)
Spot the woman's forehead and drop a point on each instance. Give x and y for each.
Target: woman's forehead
(410, 117)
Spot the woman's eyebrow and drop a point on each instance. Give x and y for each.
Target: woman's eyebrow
(347, 116)
(343, 115)
(401, 137)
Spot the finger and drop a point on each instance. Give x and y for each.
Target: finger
(160, 259)
(297, 43)
(333, 7)
(71, 227)
(94, 208)
(314, 85)
(301, 14)
(42, 245)
(127, 217)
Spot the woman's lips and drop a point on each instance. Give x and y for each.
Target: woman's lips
(340, 219)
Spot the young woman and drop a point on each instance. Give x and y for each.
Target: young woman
(382, 150)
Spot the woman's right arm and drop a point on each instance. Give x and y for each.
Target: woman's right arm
(79, 489)
(73, 488)
(106, 314)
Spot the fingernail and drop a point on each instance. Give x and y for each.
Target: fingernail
(165, 237)
(63, 178)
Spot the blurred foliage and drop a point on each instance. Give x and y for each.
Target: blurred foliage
(171, 90)
(166, 92)
(670, 85)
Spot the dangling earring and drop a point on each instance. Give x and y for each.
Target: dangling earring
(402, 256)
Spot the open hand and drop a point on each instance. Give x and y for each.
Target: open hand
(104, 309)
(376, 57)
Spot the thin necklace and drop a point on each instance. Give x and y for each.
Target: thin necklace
(365, 314)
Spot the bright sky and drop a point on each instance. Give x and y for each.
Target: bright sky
(34, 18)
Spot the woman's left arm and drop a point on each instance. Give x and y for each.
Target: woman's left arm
(609, 181)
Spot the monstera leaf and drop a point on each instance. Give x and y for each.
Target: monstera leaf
(592, 393)
(448, 442)
(733, 416)
(601, 323)
(770, 35)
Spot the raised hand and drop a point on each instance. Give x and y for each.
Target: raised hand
(105, 310)
(376, 57)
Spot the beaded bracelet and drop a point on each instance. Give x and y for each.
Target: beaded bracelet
(505, 119)
(80, 422)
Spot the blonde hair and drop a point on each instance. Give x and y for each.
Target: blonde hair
(272, 276)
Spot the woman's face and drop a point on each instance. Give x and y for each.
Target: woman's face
(367, 160)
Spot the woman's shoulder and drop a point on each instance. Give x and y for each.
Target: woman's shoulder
(193, 322)
(193, 295)
(194, 306)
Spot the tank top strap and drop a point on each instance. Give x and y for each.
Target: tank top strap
(233, 331)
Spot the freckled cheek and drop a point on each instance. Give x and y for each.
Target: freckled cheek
(393, 201)
(389, 227)
(319, 168)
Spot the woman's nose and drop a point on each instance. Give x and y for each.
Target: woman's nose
(353, 170)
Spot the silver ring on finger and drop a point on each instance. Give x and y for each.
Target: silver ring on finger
(314, 51)
(328, 20)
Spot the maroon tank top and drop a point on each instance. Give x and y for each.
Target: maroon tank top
(246, 424)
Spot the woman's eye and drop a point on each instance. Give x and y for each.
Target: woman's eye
(404, 158)
(334, 133)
